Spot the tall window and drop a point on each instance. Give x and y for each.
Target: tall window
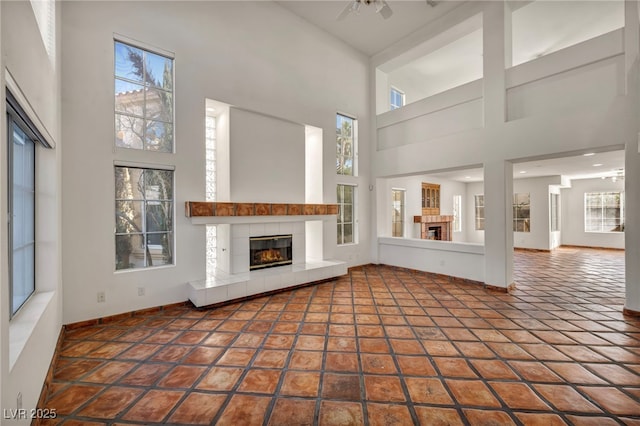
(554, 211)
(346, 137)
(21, 161)
(211, 189)
(479, 207)
(22, 214)
(457, 213)
(397, 212)
(144, 217)
(346, 214)
(397, 98)
(143, 99)
(521, 212)
(604, 212)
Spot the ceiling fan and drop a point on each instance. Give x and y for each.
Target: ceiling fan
(354, 7)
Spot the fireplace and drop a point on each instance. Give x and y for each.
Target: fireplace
(434, 233)
(434, 227)
(269, 251)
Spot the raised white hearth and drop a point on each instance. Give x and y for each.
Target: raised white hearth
(233, 278)
(223, 287)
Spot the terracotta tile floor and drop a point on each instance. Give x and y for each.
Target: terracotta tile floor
(381, 347)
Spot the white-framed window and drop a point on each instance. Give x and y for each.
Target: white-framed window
(22, 146)
(397, 212)
(397, 98)
(604, 211)
(479, 210)
(457, 213)
(346, 144)
(554, 212)
(347, 224)
(522, 212)
(143, 99)
(144, 217)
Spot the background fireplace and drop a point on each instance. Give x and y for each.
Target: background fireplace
(269, 251)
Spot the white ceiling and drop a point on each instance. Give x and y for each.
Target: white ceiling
(611, 163)
(367, 31)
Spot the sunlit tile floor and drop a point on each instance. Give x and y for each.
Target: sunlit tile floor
(381, 346)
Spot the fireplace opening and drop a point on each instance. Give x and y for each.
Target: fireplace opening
(269, 251)
(434, 233)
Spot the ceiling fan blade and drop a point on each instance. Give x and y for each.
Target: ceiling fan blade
(384, 10)
(346, 11)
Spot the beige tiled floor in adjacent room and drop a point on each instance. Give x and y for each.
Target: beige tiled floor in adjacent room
(381, 346)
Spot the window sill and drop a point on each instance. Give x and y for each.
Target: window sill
(22, 325)
(151, 268)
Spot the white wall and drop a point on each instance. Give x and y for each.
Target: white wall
(228, 51)
(413, 200)
(36, 327)
(572, 225)
(267, 161)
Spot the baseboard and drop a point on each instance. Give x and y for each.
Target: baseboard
(590, 247)
(118, 317)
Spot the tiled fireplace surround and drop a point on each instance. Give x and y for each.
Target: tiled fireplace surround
(236, 224)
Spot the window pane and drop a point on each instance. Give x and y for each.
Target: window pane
(159, 216)
(130, 251)
(348, 213)
(159, 249)
(159, 105)
(159, 136)
(129, 216)
(129, 131)
(129, 98)
(128, 62)
(22, 214)
(345, 152)
(129, 183)
(159, 184)
(348, 233)
(159, 71)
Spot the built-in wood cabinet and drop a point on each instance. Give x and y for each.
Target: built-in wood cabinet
(430, 199)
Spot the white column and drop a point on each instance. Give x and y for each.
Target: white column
(496, 19)
(632, 159)
(498, 223)
(498, 173)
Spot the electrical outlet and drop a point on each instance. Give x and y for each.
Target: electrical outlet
(19, 401)
(101, 297)
(140, 291)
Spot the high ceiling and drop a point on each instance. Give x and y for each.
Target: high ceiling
(539, 27)
(367, 31)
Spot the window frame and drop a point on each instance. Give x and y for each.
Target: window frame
(354, 217)
(456, 226)
(524, 219)
(17, 116)
(394, 90)
(144, 233)
(620, 207)
(403, 195)
(354, 147)
(478, 209)
(146, 49)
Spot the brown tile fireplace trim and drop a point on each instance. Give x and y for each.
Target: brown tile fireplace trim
(204, 209)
